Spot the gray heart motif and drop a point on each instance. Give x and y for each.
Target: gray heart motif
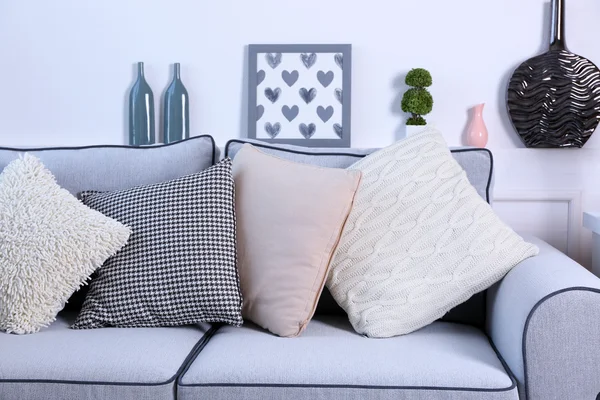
(308, 95)
(308, 59)
(272, 130)
(272, 94)
(325, 78)
(337, 128)
(273, 59)
(338, 95)
(307, 130)
(290, 113)
(260, 110)
(339, 60)
(290, 77)
(325, 113)
(260, 76)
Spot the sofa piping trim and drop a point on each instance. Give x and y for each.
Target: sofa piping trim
(191, 360)
(188, 359)
(528, 320)
(333, 386)
(118, 146)
(307, 153)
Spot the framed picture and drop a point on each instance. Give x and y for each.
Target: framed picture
(300, 94)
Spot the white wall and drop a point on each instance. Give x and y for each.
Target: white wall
(66, 67)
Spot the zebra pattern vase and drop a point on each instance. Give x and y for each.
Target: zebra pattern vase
(554, 99)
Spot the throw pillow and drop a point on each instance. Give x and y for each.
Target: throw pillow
(419, 240)
(50, 244)
(179, 266)
(290, 217)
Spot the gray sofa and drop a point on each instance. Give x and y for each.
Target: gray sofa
(534, 335)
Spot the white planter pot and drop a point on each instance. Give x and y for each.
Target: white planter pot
(414, 129)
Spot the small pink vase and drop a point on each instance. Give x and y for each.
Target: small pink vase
(477, 134)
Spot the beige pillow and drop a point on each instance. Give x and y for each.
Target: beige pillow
(289, 220)
(419, 240)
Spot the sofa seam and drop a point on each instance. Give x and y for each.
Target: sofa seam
(199, 344)
(507, 369)
(370, 387)
(528, 320)
(192, 357)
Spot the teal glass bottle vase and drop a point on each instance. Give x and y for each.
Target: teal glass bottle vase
(176, 109)
(141, 111)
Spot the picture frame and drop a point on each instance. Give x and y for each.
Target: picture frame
(300, 94)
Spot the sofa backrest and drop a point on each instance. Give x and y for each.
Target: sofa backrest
(477, 163)
(110, 167)
(113, 167)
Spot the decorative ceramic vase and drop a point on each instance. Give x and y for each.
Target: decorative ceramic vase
(176, 110)
(477, 133)
(553, 99)
(141, 111)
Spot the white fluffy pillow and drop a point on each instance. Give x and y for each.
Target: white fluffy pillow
(50, 243)
(418, 241)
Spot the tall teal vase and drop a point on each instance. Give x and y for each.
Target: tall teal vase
(141, 111)
(176, 109)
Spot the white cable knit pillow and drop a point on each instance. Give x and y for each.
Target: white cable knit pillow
(419, 240)
(50, 243)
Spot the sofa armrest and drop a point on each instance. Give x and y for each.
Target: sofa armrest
(544, 319)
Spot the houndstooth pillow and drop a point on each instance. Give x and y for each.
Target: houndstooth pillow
(179, 266)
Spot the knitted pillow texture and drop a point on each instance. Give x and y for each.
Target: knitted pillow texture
(50, 243)
(418, 241)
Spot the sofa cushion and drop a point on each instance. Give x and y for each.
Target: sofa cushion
(110, 363)
(477, 163)
(331, 361)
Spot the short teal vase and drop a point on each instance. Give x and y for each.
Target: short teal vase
(176, 109)
(141, 111)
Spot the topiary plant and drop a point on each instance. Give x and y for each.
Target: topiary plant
(417, 100)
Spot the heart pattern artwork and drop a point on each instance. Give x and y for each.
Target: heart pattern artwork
(325, 113)
(273, 59)
(290, 113)
(308, 59)
(260, 76)
(260, 110)
(272, 94)
(299, 95)
(307, 131)
(339, 60)
(290, 77)
(308, 95)
(337, 128)
(272, 130)
(338, 95)
(325, 78)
